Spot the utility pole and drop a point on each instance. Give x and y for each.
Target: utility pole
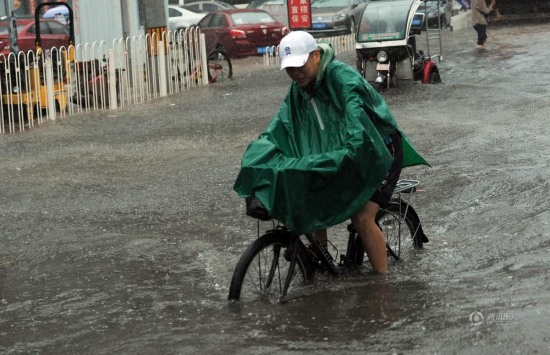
(12, 27)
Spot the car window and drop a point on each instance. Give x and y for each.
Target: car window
(45, 29)
(58, 28)
(4, 28)
(217, 20)
(32, 29)
(205, 22)
(173, 13)
(255, 4)
(212, 20)
(330, 3)
(193, 7)
(237, 2)
(210, 7)
(247, 18)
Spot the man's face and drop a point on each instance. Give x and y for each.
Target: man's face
(305, 75)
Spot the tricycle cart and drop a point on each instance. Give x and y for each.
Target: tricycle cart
(386, 44)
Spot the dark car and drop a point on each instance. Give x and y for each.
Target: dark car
(241, 32)
(52, 34)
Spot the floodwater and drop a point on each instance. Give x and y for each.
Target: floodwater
(120, 230)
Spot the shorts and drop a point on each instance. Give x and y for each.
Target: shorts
(383, 193)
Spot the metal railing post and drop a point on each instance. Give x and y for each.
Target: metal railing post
(113, 95)
(49, 89)
(163, 82)
(204, 60)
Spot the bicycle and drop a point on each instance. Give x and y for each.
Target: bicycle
(92, 87)
(218, 64)
(278, 263)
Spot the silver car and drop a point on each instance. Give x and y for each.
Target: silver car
(437, 12)
(328, 17)
(207, 6)
(335, 17)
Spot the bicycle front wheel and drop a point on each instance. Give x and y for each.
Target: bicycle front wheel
(262, 271)
(219, 66)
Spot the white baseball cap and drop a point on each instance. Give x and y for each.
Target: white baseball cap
(295, 47)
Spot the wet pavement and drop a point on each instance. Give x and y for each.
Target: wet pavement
(120, 230)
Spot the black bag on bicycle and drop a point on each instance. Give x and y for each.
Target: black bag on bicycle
(254, 208)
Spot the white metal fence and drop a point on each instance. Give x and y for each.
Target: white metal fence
(60, 82)
(65, 81)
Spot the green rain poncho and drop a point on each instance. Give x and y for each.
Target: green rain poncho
(323, 155)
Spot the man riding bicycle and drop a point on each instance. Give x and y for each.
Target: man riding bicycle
(332, 152)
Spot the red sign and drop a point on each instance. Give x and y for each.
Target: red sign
(299, 14)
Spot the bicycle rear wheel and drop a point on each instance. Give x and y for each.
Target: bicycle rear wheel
(398, 228)
(219, 66)
(400, 236)
(263, 268)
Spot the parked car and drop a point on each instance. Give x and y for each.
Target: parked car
(207, 6)
(335, 17)
(180, 18)
(430, 10)
(52, 34)
(241, 32)
(328, 17)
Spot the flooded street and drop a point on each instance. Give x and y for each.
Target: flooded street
(120, 231)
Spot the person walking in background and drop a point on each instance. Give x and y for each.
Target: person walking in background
(449, 12)
(479, 12)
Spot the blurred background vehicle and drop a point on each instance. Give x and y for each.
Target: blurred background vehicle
(276, 8)
(180, 18)
(59, 13)
(329, 17)
(241, 32)
(430, 9)
(207, 6)
(335, 17)
(52, 33)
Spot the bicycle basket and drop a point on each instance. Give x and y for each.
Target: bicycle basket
(254, 208)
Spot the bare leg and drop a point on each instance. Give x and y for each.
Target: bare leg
(373, 240)
(321, 236)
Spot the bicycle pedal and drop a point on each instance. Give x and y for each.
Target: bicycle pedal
(313, 255)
